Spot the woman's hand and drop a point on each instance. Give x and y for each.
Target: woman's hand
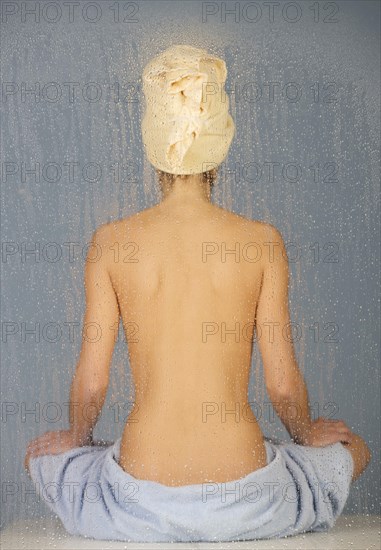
(52, 443)
(325, 431)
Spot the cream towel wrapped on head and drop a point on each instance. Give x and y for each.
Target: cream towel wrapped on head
(186, 127)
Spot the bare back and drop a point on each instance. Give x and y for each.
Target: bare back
(188, 286)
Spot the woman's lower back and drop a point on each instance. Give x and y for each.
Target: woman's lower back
(156, 446)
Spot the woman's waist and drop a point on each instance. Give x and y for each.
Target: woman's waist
(184, 432)
(165, 452)
(221, 409)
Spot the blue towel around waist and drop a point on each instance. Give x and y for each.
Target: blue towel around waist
(300, 489)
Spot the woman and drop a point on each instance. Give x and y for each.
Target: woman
(194, 283)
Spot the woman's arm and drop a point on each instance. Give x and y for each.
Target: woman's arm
(101, 321)
(90, 381)
(284, 381)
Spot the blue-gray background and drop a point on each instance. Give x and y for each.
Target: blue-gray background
(328, 210)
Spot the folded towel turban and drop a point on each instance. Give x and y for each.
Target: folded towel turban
(186, 127)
